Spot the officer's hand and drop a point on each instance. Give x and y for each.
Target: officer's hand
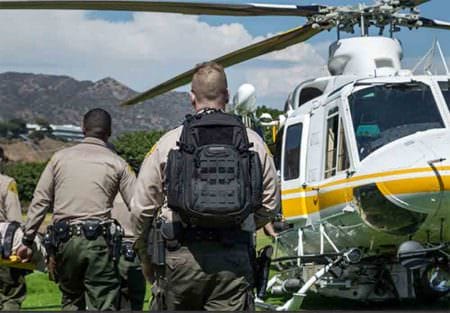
(51, 266)
(24, 253)
(148, 272)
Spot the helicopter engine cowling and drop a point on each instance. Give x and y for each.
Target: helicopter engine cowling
(365, 56)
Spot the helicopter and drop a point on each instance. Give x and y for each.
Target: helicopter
(363, 154)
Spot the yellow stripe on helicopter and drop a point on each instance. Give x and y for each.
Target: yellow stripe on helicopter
(309, 204)
(368, 176)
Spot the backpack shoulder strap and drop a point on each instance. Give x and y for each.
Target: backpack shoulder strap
(185, 142)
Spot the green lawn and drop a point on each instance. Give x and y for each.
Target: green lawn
(44, 295)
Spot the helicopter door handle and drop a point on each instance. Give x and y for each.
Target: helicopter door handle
(316, 199)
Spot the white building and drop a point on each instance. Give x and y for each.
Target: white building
(67, 131)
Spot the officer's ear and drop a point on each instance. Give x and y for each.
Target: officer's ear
(193, 98)
(227, 97)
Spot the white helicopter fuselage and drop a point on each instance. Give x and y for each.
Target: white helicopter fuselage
(411, 172)
(372, 130)
(364, 162)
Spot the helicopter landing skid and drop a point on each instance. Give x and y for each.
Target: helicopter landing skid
(296, 301)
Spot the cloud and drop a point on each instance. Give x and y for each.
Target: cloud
(143, 51)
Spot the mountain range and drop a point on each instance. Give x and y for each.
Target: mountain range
(64, 100)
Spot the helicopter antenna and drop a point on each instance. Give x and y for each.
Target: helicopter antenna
(427, 62)
(444, 61)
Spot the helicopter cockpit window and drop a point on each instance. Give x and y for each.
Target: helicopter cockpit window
(336, 157)
(385, 113)
(309, 93)
(445, 88)
(292, 152)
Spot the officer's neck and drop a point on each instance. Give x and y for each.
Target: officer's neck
(200, 108)
(102, 138)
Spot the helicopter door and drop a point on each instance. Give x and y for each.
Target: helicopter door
(293, 164)
(334, 193)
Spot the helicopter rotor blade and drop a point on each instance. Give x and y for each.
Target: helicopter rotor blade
(196, 8)
(430, 23)
(412, 3)
(278, 42)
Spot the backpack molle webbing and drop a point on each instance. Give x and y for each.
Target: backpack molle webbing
(212, 178)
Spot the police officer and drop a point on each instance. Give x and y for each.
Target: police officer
(133, 284)
(12, 281)
(80, 183)
(201, 273)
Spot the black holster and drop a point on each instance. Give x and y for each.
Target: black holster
(49, 241)
(262, 265)
(114, 237)
(156, 248)
(128, 252)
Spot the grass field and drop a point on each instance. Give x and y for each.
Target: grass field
(44, 295)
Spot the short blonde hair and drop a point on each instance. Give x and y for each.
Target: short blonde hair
(209, 83)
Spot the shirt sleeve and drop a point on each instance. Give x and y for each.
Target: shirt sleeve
(12, 204)
(271, 191)
(127, 183)
(148, 195)
(43, 198)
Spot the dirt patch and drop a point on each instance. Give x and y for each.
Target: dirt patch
(30, 151)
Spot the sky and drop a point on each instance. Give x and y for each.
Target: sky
(142, 50)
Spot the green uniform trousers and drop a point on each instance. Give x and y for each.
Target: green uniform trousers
(206, 276)
(12, 288)
(87, 276)
(132, 285)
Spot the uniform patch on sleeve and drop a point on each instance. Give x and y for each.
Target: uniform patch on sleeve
(12, 187)
(152, 149)
(130, 169)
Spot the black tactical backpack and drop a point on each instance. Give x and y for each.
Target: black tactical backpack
(213, 180)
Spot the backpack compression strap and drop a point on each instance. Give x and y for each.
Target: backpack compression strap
(9, 237)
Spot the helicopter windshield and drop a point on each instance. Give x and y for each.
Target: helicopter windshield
(445, 88)
(384, 113)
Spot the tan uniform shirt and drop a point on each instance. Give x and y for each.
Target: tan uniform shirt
(10, 209)
(122, 214)
(149, 197)
(80, 183)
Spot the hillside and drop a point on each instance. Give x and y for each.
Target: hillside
(64, 100)
(28, 151)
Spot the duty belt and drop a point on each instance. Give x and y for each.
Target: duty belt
(63, 230)
(91, 229)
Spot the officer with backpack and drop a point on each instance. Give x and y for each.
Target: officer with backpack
(83, 243)
(202, 191)
(12, 281)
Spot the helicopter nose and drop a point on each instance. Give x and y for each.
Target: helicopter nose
(411, 181)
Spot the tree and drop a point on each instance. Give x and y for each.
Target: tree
(27, 176)
(13, 128)
(17, 127)
(268, 137)
(273, 112)
(134, 146)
